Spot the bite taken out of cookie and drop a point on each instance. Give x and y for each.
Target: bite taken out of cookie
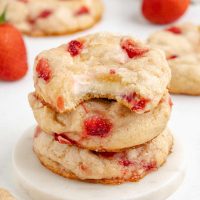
(102, 65)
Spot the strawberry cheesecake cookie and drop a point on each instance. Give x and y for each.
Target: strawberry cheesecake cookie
(102, 65)
(5, 195)
(181, 44)
(107, 167)
(102, 125)
(52, 17)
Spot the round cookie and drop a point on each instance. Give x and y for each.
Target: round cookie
(181, 45)
(102, 65)
(53, 17)
(109, 168)
(102, 125)
(5, 195)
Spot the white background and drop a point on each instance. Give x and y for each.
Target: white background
(121, 16)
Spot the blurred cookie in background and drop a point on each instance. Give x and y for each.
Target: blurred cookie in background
(52, 17)
(181, 44)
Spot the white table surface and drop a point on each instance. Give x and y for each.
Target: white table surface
(121, 16)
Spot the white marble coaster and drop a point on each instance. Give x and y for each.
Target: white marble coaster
(41, 184)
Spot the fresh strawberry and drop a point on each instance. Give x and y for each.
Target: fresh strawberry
(164, 11)
(13, 57)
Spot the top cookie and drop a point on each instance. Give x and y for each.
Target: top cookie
(102, 65)
(52, 17)
(181, 44)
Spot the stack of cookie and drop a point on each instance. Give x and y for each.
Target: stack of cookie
(102, 105)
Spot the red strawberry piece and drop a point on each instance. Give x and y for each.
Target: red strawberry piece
(45, 14)
(112, 71)
(124, 160)
(83, 10)
(172, 57)
(74, 47)
(149, 166)
(132, 49)
(43, 70)
(174, 29)
(106, 154)
(63, 139)
(129, 98)
(31, 21)
(13, 56)
(140, 104)
(125, 163)
(60, 103)
(97, 126)
(136, 102)
(37, 132)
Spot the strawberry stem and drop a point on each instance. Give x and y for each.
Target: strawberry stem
(3, 17)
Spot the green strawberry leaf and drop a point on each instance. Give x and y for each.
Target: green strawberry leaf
(3, 16)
